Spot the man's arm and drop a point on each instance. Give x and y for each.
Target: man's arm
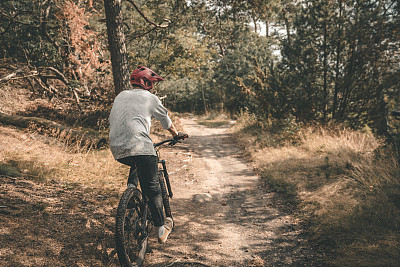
(173, 130)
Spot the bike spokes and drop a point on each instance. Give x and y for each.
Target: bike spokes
(131, 229)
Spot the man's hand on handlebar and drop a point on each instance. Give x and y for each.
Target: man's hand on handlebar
(180, 136)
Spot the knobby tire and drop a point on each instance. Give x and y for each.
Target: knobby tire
(130, 239)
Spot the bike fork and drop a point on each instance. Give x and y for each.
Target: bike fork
(170, 194)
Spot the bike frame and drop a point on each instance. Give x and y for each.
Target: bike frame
(166, 177)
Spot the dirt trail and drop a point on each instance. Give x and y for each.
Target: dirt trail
(223, 216)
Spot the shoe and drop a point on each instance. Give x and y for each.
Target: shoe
(165, 230)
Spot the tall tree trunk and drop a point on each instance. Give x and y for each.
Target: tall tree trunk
(287, 25)
(325, 62)
(116, 44)
(204, 102)
(380, 120)
(255, 23)
(335, 95)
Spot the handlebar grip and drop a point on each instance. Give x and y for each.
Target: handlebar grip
(181, 136)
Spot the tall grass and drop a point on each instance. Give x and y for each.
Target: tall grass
(344, 183)
(45, 159)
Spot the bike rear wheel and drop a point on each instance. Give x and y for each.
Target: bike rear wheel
(132, 228)
(165, 197)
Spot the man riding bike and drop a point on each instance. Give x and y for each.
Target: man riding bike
(131, 144)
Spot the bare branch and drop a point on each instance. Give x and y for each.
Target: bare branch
(58, 74)
(14, 75)
(147, 20)
(78, 102)
(8, 77)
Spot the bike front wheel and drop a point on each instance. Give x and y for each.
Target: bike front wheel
(132, 228)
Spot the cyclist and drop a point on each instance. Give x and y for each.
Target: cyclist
(130, 142)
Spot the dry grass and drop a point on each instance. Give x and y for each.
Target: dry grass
(46, 159)
(343, 184)
(13, 99)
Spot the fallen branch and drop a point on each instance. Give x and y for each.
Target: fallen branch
(58, 74)
(34, 73)
(78, 102)
(8, 77)
(51, 128)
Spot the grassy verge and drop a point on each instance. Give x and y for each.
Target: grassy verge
(343, 183)
(45, 159)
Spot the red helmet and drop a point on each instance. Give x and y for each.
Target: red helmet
(145, 77)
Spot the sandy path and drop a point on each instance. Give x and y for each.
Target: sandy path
(222, 215)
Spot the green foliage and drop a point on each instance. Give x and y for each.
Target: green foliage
(339, 59)
(238, 67)
(61, 35)
(182, 95)
(22, 36)
(339, 67)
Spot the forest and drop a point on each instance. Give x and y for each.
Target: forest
(306, 61)
(277, 67)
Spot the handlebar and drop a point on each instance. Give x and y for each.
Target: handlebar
(173, 141)
(170, 141)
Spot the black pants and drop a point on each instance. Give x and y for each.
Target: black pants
(145, 169)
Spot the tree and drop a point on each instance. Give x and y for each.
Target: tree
(340, 62)
(57, 36)
(116, 44)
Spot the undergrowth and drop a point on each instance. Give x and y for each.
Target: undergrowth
(345, 184)
(45, 159)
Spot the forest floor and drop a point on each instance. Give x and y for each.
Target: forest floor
(223, 215)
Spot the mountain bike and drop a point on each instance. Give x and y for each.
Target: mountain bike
(133, 221)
